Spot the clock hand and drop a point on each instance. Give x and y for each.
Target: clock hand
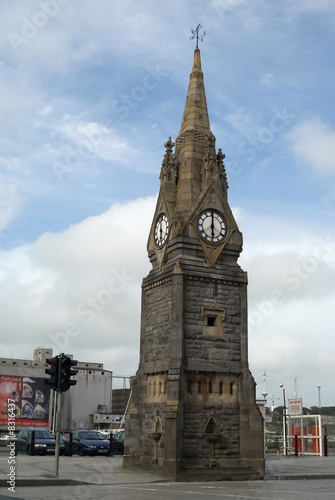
(212, 225)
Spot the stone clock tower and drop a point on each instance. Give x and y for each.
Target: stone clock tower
(193, 414)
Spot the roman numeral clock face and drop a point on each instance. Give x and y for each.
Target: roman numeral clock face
(161, 230)
(211, 226)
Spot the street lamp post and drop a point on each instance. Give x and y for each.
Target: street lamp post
(285, 422)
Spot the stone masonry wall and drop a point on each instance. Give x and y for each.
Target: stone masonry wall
(157, 317)
(216, 394)
(195, 419)
(219, 350)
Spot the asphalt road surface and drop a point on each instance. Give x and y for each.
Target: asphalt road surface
(260, 490)
(288, 478)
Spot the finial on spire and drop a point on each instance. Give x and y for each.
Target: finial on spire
(195, 34)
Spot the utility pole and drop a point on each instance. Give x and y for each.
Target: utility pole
(285, 419)
(319, 397)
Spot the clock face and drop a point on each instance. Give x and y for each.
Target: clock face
(211, 226)
(161, 230)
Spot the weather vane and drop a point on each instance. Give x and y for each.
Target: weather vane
(195, 34)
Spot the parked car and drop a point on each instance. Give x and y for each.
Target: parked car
(5, 439)
(118, 443)
(45, 442)
(87, 443)
(8, 437)
(107, 433)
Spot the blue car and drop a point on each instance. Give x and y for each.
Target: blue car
(87, 443)
(118, 443)
(44, 444)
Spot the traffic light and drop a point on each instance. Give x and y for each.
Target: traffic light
(65, 373)
(53, 371)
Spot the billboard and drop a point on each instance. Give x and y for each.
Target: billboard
(31, 397)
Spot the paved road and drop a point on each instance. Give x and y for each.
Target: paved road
(260, 490)
(104, 478)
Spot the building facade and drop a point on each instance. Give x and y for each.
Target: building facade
(89, 401)
(193, 414)
(120, 400)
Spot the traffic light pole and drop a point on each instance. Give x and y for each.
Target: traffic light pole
(60, 380)
(54, 410)
(58, 419)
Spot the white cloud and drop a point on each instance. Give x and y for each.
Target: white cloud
(291, 298)
(290, 276)
(20, 96)
(295, 342)
(313, 143)
(10, 203)
(302, 6)
(80, 140)
(45, 110)
(86, 33)
(79, 285)
(246, 121)
(267, 79)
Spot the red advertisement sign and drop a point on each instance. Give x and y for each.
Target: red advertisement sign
(31, 397)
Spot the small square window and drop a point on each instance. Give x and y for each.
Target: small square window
(211, 320)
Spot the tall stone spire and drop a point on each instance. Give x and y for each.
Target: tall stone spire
(193, 137)
(195, 112)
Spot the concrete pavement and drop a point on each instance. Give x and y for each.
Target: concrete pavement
(305, 467)
(39, 471)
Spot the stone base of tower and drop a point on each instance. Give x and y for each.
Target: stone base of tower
(180, 470)
(193, 415)
(180, 441)
(230, 470)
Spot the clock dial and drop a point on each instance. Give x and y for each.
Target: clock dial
(161, 230)
(211, 226)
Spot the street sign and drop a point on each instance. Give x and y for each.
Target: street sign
(295, 407)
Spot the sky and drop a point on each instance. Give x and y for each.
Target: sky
(89, 94)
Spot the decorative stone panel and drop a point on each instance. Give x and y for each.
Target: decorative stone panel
(157, 388)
